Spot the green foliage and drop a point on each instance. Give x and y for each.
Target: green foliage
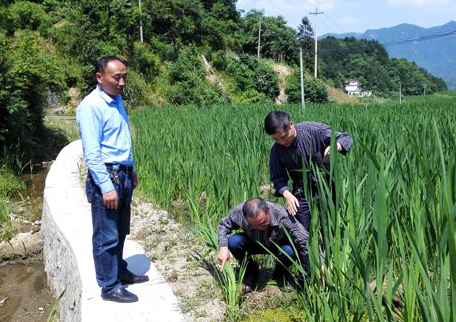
(221, 25)
(413, 78)
(10, 184)
(26, 15)
(50, 45)
(367, 61)
(138, 92)
(389, 235)
(92, 29)
(179, 22)
(29, 70)
(188, 79)
(278, 41)
(5, 222)
(305, 37)
(253, 80)
(229, 280)
(146, 61)
(315, 90)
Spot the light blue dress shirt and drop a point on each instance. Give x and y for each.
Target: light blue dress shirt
(105, 134)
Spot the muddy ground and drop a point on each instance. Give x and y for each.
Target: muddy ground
(24, 295)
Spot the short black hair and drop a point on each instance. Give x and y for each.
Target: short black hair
(253, 206)
(275, 121)
(101, 63)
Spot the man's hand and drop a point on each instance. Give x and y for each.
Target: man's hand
(326, 155)
(223, 256)
(292, 202)
(135, 179)
(110, 199)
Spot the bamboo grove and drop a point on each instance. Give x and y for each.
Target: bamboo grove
(389, 235)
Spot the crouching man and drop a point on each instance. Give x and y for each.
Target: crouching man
(262, 224)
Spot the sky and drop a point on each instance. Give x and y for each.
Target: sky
(342, 16)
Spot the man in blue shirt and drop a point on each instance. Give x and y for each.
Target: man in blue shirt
(106, 141)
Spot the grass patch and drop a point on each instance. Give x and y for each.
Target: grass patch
(10, 184)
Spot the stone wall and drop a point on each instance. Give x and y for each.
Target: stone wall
(62, 189)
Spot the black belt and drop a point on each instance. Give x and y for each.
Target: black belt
(121, 167)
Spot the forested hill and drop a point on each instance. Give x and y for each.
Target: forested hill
(431, 48)
(368, 62)
(48, 47)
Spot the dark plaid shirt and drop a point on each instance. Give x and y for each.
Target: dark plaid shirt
(309, 145)
(280, 219)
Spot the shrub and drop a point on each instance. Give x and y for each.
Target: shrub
(251, 77)
(314, 89)
(188, 81)
(145, 61)
(28, 70)
(137, 92)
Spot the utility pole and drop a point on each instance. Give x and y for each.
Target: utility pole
(424, 89)
(303, 101)
(259, 38)
(400, 92)
(140, 23)
(315, 28)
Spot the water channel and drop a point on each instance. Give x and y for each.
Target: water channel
(24, 294)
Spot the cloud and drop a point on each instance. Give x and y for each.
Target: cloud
(418, 3)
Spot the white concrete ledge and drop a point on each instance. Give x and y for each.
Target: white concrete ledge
(67, 230)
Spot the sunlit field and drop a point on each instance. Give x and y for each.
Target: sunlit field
(389, 237)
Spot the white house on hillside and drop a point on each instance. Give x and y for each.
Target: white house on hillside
(353, 88)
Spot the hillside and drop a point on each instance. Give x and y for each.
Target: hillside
(433, 48)
(48, 50)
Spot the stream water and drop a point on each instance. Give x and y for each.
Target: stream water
(24, 294)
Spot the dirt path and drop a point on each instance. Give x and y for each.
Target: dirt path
(175, 252)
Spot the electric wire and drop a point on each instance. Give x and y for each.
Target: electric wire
(327, 17)
(419, 39)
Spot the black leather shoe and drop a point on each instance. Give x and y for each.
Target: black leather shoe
(131, 278)
(121, 295)
(246, 288)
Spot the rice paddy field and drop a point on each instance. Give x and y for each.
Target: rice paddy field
(389, 236)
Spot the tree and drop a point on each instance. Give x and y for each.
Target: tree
(178, 22)
(368, 62)
(278, 41)
(29, 69)
(305, 36)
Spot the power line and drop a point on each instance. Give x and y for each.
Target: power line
(335, 24)
(424, 38)
(394, 43)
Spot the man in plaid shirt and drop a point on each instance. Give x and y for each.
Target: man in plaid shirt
(263, 227)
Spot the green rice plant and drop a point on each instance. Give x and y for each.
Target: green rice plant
(385, 215)
(230, 283)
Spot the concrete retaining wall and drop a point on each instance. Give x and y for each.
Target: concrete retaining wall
(67, 230)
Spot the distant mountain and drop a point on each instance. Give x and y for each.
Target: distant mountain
(431, 48)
